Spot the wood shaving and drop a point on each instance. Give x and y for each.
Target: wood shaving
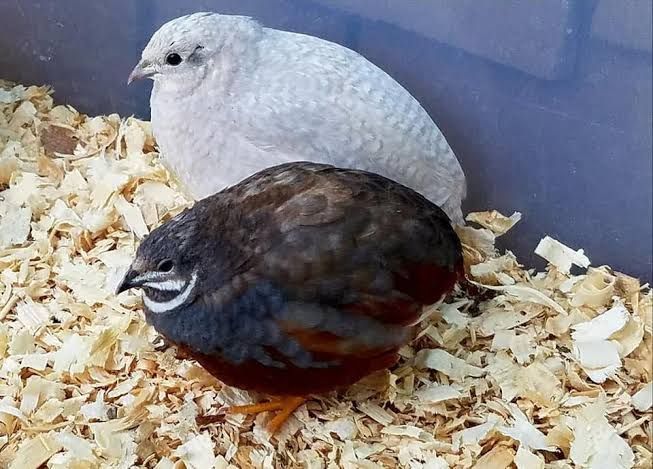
(524, 459)
(596, 443)
(494, 221)
(597, 346)
(560, 256)
(643, 399)
(533, 370)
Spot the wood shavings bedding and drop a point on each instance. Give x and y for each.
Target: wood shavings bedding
(545, 369)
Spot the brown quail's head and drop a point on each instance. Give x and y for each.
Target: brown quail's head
(168, 264)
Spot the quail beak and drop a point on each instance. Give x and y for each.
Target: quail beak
(142, 70)
(128, 282)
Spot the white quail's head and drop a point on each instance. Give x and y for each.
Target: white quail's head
(184, 50)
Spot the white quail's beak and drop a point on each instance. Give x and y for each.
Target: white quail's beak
(143, 69)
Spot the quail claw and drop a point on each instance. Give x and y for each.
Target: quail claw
(285, 407)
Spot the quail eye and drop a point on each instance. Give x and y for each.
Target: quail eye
(173, 59)
(165, 266)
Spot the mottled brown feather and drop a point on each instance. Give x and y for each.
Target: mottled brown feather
(349, 243)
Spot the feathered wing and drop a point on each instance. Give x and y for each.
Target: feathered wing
(354, 256)
(325, 103)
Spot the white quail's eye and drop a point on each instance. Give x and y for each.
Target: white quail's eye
(165, 265)
(173, 59)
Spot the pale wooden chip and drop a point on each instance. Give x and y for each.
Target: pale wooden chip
(79, 448)
(35, 452)
(440, 360)
(434, 393)
(344, 427)
(132, 216)
(535, 382)
(526, 293)
(494, 221)
(602, 326)
(596, 443)
(596, 289)
(480, 239)
(643, 399)
(596, 346)
(475, 435)
(561, 256)
(15, 226)
(375, 413)
(599, 359)
(499, 457)
(197, 453)
(523, 431)
(524, 459)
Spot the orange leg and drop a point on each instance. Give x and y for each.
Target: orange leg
(284, 405)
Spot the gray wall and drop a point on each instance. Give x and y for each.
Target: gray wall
(547, 105)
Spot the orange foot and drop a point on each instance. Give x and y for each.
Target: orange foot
(284, 405)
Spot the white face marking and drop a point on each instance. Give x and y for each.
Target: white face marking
(166, 285)
(163, 281)
(180, 299)
(149, 276)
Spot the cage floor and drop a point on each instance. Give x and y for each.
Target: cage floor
(528, 370)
